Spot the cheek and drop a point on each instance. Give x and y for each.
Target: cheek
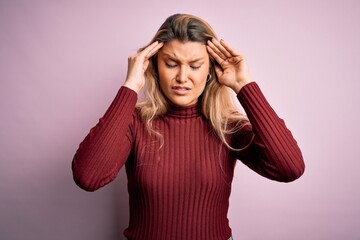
(164, 78)
(201, 77)
(165, 74)
(163, 85)
(201, 86)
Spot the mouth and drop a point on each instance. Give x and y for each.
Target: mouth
(180, 90)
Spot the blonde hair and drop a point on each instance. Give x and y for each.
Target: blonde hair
(216, 102)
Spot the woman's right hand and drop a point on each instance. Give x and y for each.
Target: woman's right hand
(137, 64)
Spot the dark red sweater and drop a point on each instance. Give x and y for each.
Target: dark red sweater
(182, 190)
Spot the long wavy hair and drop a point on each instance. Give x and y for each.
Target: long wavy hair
(216, 102)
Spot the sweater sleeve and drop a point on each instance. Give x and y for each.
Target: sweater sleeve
(273, 153)
(107, 146)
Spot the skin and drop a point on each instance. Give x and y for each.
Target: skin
(183, 70)
(233, 71)
(177, 69)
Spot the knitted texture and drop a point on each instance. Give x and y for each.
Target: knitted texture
(179, 185)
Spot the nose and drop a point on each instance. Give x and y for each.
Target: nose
(182, 75)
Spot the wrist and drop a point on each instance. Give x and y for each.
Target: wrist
(239, 85)
(131, 85)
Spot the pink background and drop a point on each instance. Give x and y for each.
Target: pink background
(62, 62)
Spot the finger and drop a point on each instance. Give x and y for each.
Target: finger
(148, 49)
(214, 54)
(218, 71)
(229, 49)
(154, 50)
(146, 64)
(216, 50)
(221, 48)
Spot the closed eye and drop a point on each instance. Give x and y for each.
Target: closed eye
(171, 65)
(195, 67)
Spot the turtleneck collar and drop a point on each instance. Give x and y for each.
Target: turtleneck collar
(184, 112)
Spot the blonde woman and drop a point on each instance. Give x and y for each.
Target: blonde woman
(181, 142)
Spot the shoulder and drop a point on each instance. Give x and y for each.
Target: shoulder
(237, 120)
(137, 115)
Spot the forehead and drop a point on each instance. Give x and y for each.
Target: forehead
(184, 51)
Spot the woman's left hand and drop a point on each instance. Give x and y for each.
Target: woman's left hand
(233, 71)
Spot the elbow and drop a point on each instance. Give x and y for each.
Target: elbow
(83, 184)
(293, 173)
(81, 180)
(293, 176)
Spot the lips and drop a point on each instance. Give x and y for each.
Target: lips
(180, 90)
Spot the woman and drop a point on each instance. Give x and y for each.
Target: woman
(180, 144)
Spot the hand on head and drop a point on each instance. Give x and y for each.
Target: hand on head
(233, 71)
(137, 64)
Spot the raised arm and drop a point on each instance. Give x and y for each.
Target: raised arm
(107, 146)
(105, 149)
(274, 153)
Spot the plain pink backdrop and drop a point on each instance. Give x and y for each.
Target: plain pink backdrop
(62, 62)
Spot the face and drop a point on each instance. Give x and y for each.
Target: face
(183, 70)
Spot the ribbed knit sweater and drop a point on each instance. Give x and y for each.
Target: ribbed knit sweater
(179, 187)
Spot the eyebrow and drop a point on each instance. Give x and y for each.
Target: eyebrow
(173, 59)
